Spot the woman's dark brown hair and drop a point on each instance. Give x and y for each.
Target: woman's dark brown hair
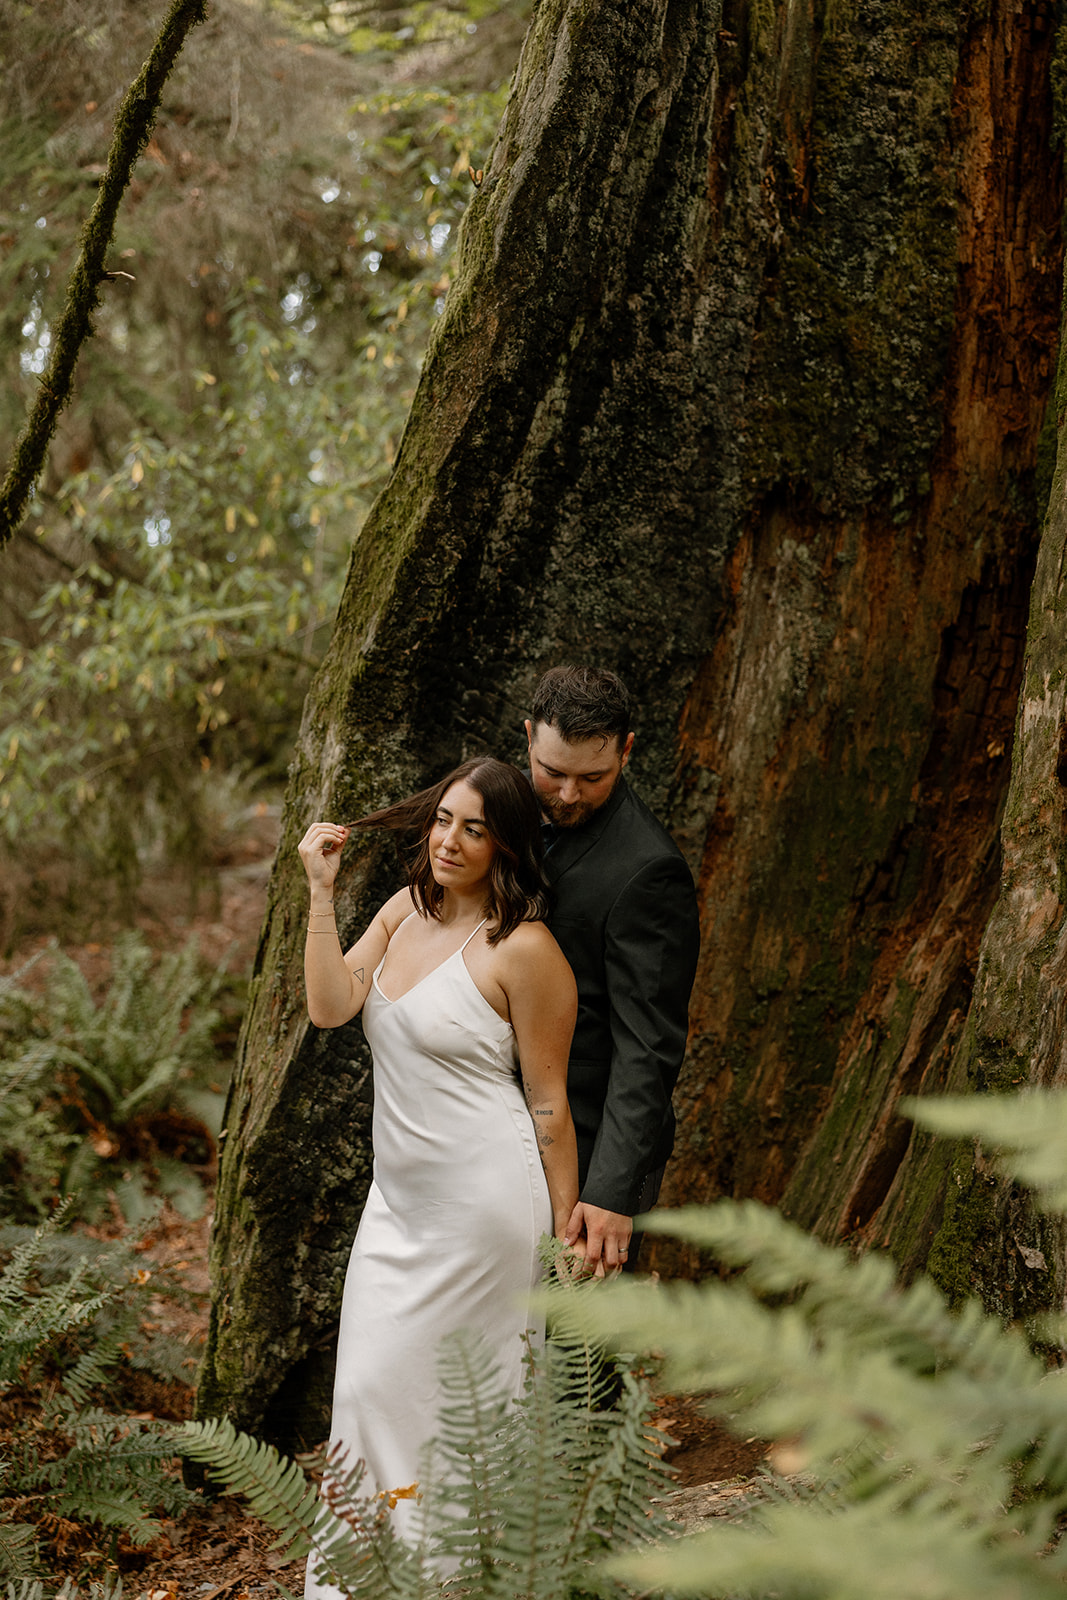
(518, 890)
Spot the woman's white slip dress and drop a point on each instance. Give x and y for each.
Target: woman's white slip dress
(448, 1237)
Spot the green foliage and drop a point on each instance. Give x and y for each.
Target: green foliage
(35, 1146)
(133, 125)
(240, 407)
(189, 629)
(29, 1589)
(1030, 1128)
(71, 1312)
(390, 31)
(88, 1089)
(518, 1501)
(927, 1448)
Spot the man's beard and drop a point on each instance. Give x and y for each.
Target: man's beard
(567, 816)
(573, 815)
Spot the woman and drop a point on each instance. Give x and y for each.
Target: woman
(468, 1005)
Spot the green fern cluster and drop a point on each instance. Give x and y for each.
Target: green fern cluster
(70, 1313)
(515, 1500)
(927, 1448)
(78, 1078)
(35, 1589)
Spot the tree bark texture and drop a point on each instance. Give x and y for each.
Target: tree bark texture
(991, 1240)
(739, 389)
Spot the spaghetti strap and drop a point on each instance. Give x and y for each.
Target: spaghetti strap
(470, 935)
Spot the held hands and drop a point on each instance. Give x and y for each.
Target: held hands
(601, 1237)
(320, 851)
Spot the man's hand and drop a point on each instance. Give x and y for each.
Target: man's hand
(606, 1237)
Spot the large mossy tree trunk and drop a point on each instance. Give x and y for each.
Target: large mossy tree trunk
(991, 1239)
(739, 389)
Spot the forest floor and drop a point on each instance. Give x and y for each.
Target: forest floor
(217, 1549)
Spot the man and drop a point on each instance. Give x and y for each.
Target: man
(625, 917)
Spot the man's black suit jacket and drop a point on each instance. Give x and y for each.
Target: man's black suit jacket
(625, 916)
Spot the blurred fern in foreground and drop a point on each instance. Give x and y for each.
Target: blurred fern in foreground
(927, 1448)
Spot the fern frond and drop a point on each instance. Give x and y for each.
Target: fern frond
(9, 983)
(276, 1488)
(564, 1481)
(345, 1533)
(356, 1545)
(861, 1296)
(853, 1553)
(81, 1461)
(27, 1251)
(523, 1499)
(109, 1474)
(781, 1381)
(468, 1450)
(19, 1555)
(68, 1590)
(30, 1321)
(1028, 1130)
(43, 1321)
(91, 1367)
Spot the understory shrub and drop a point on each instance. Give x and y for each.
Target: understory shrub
(74, 1315)
(100, 1097)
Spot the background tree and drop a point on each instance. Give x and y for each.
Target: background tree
(286, 234)
(133, 127)
(740, 388)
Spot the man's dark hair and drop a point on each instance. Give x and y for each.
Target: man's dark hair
(583, 703)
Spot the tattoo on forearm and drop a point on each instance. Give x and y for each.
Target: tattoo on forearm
(358, 974)
(544, 1138)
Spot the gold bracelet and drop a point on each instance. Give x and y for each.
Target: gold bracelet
(331, 933)
(320, 913)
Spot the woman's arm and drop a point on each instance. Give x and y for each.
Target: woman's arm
(543, 1003)
(337, 984)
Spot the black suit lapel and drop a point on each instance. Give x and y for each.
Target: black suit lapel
(573, 843)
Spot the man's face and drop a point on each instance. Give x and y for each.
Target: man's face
(574, 780)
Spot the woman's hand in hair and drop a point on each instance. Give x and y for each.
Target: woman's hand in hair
(320, 851)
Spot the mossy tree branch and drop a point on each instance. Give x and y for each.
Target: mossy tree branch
(133, 125)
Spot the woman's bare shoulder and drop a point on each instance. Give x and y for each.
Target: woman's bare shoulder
(528, 936)
(531, 941)
(395, 910)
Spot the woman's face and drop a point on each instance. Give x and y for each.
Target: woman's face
(461, 851)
